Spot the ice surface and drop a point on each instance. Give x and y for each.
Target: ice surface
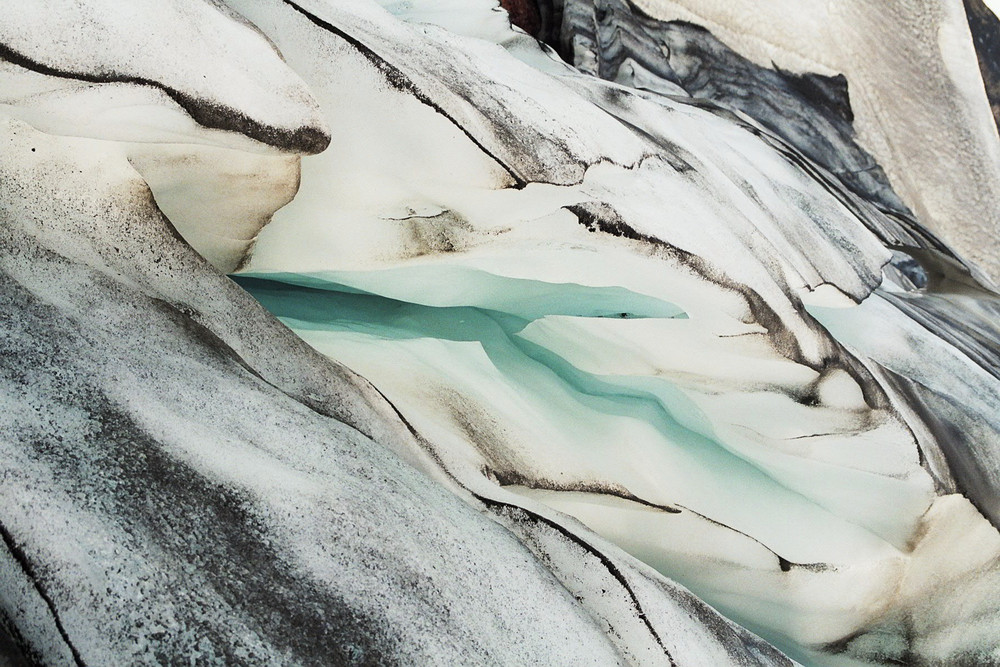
(576, 357)
(919, 103)
(694, 438)
(186, 480)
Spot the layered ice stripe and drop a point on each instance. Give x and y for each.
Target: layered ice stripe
(145, 70)
(605, 319)
(477, 284)
(184, 479)
(919, 100)
(195, 97)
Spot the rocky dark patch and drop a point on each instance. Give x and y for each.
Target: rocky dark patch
(985, 28)
(807, 116)
(524, 14)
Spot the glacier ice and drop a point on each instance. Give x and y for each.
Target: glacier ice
(661, 354)
(920, 104)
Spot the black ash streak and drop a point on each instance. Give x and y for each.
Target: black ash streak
(985, 28)
(510, 509)
(18, 554)
(398, 80)
(807, 117)
(309, 140)
(612, 569)
(620, 492)
(600, 218)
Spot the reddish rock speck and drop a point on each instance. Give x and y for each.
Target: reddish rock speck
(524, 14)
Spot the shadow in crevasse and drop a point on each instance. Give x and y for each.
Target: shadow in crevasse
(10, 654)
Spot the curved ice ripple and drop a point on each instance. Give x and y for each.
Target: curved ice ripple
(610, 338)
(696, 442)
(183, 480)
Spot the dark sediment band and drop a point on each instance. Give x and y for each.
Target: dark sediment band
(308, 140)
(985, 28)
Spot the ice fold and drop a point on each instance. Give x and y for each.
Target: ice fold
(580, 350)
(150, 515)
(695, 441)
(112, 60)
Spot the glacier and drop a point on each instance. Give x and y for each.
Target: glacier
(648, 332)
